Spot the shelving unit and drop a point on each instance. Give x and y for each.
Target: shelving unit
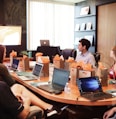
(85, 25)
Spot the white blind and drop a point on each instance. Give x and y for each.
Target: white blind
(46, 20)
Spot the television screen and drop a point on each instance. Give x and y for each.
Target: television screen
(10, 35)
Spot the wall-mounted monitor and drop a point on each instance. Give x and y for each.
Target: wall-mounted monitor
(10, 35)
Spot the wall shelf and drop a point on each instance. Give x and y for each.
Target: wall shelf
(85, 25)
(85, 30)
(82, 16)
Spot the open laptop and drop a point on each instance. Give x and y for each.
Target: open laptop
(35, 74)
(44, 42)
(90, 88)
(59, 79)
(15, 64)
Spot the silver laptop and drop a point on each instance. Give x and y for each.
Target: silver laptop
(59, 79)
(15, 64)
(44, 42)
(91, 88)
(35, 74)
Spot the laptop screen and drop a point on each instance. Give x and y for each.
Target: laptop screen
(15, 63)
(44, 43)
(37, 69)
(60, 76)
(89, 84)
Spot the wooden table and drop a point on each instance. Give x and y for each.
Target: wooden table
(69, 98)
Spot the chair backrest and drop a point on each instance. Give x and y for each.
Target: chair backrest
(97, 57)
(69, 52)
(49, 51)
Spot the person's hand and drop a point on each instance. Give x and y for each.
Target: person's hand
(109, 113)
(26, 110)
(26, 100)
(19, 99)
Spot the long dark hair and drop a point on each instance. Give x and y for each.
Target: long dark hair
(2, 50)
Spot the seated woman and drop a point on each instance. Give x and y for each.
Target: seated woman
(10, 106)
(112, 74)
(17, 89)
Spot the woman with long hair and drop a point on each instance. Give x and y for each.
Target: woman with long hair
(17, 89)
(111, 113)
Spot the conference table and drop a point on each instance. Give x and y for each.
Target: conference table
(72, 97)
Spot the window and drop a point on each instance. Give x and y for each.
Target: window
(48, 20)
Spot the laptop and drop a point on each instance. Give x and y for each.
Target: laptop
(90, 88)
(59, 79)
(44, 42)
(15, 64)
(34, 75)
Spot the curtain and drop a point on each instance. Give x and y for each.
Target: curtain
(51, 21)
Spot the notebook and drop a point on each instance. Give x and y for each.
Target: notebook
(15, 64)
(35, 74)
(90, 88)
(59, 79)
(44, 43)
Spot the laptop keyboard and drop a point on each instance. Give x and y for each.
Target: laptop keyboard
(51, 88)
(56, 87)
(97, 96)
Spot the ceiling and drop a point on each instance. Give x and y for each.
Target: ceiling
(69, 1)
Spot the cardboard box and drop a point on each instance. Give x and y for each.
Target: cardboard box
(103, 75)
(78, 73)
(67, 65)
(45, 70)
(73, 75)
(83, 73)
(25, 64)
(58, 63)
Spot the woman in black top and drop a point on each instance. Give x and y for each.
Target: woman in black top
(10, 106)
(17, 89)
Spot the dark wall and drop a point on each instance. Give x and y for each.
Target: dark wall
(1, 12)
(13, 12)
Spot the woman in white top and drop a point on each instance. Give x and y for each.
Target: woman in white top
(112, 112)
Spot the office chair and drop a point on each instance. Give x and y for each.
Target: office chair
(35, 113)
(97, 57)
(69, 52)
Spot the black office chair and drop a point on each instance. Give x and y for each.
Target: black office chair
(35, 113)
(69, 53)
(97, 57)
(50, 51)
